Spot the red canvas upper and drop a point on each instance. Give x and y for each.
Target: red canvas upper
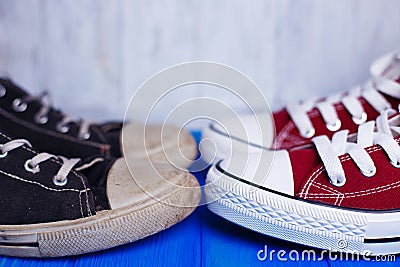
(379, 192)
(311, 180)
(288, 136)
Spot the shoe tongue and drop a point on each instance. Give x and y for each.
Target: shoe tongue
(96, 169)
(392, 72)
(386, 73)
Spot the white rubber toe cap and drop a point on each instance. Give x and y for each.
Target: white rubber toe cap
(149, 182)
(258, 129)
(269, 169)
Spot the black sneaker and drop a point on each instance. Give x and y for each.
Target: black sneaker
(53, 131)
(52, 206)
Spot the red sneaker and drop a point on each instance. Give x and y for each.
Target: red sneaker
(341, 195)
(296, 124)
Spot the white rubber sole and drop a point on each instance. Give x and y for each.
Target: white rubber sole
(287, 218)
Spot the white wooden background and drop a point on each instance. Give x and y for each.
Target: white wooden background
(92, 55)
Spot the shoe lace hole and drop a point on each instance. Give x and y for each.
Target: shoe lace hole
(334, 127)
(59, 182)
(339, 184)
(18, 105)
(2, 154)
(41, 119)
(86, 135)
(3, 90)
(361, 119)
(29, 168)
(395, 164)
(369, 173)
(62, 128)
(309, 133)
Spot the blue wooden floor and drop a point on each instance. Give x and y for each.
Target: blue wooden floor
(203, 239)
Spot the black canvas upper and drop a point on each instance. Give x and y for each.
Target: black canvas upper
(29, 198)
(103, 140)
(97, 175)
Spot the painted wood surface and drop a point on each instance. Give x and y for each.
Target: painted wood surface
(93, 54)
(203, 239)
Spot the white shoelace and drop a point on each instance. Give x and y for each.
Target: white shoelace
(41, 117)
(329, 151)
(32, 165)
(370, 91)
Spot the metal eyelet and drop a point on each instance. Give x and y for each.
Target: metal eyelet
(361, 119)
(29, 168)
(62, 128)
(309, 133)
(337, 184)
(86, 135)
(41, 119)
(58, 182)
(2, 155)
(336, 126)
(369, 173)
(3, 90)
(18, 105)
(395, 164)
